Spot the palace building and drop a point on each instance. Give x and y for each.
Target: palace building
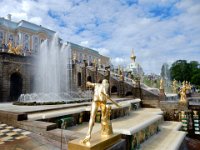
(30, 36)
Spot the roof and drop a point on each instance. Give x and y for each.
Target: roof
(25, 24)
(82, 48)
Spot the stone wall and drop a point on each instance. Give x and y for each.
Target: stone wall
(170, 109)
(11, 64)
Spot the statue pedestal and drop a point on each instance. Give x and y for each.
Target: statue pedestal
(162, 95)
(183, 105)
(97, 142)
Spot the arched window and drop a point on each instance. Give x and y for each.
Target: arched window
(81, 57)
(1, 38)
(26, 42)
(89, 78)
(35, 44)
(79, 79)
(11, 38)
(114, 89)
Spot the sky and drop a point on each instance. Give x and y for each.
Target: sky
(159, 31)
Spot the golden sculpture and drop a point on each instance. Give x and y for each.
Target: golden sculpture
(182, 115)
(99, 101)
(133, 57)
(161, 84)
(183, 91)
(14, 50)
(174, 86)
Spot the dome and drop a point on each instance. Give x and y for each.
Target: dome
(134, 67)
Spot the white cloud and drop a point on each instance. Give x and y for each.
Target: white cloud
(84, 43)
(114, 29)
(103, 51)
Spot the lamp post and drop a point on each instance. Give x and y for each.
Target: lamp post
(85, 66)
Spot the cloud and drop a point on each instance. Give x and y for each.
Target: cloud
(84, 43)
(103, 51)
(158, 30)
(119, 61)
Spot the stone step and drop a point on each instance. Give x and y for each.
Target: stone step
(37, 115)
(36, 126)
(173, 125)
(128, 125)
(166, 139)
(136, 121)
(55, 113)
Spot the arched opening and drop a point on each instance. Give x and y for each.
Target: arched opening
(114, 89)
(89, 78)
(79, 79)
(129, 93)
(99, 81)
(16, 83)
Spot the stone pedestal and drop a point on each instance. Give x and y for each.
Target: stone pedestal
(162, 95)
(183, 105)
(97, 142)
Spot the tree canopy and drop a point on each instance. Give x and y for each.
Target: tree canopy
(181, 70)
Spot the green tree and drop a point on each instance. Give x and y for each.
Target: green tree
(196, 79)
(181, 70)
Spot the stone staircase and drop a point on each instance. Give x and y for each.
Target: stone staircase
(144, 129)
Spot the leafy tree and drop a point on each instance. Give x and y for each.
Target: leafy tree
(178, 70)
(196, 79)
(181, 70)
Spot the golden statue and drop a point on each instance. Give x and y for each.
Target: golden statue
(183, 91)
(174, 86)
(161, 84)
(188, 86)
(14, 50)
(10, 48)
(99, 101)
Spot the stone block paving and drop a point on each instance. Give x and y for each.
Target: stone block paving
(9, 133)
(17, 139)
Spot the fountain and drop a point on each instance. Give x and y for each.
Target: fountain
(52, 69)
(52, 76)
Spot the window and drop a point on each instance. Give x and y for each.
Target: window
(1, 38)
(26, 42)
(17, 41)
(90, 60)
(42, 40)
(11, 38)
(35, 43)
(81, 57)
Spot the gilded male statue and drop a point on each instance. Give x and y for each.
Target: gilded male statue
(183, 91)
(99, 101)
(161, 84)
(174, 86)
